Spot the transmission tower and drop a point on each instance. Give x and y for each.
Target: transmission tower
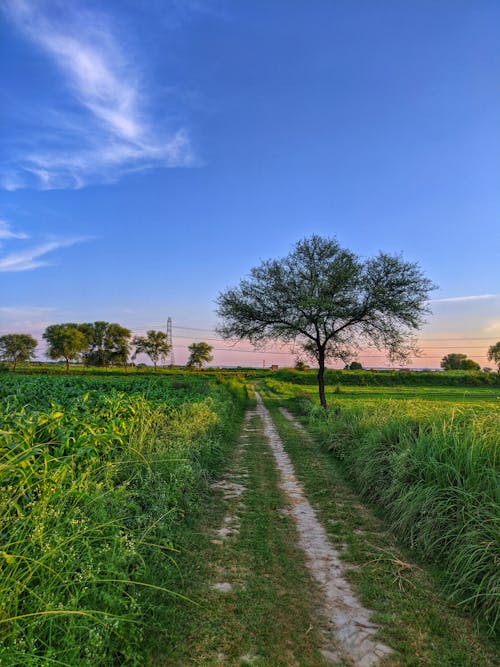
(170, 341)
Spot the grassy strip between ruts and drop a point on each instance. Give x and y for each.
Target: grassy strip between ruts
(267, 618)
(414, 618)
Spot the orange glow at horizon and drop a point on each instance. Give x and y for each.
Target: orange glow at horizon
(285, 356)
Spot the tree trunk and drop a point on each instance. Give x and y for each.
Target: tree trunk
(321, 377)
(67, 364)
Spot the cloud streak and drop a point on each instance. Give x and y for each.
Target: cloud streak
(31, 258)
(462, 299)
(112, 134)
(6, 232)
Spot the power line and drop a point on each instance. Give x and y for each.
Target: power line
(212, 331)
(428, 347)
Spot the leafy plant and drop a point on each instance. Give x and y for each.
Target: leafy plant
(95, 472)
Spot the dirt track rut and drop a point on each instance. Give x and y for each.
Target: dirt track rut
(346, 625)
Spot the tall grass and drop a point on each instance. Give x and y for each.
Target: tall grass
(436, 476)
(92, 483)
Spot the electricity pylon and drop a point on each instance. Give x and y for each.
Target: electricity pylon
(170, 340)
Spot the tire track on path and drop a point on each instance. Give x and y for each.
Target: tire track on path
(345, 622)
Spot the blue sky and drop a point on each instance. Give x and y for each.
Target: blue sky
(153, 152)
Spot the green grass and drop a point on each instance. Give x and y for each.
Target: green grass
(477, 397)
(106, 519)
(414, 617)
(429, 457)
(95, 476)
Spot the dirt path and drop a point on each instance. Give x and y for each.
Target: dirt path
(247, 572)
(278, 575)
(345, 622)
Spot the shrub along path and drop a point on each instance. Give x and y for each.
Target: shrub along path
(282, 584)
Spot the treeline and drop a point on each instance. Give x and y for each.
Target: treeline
(392, 378)
(98, 344)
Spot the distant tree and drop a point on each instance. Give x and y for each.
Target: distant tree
(108, 343)
(470, 365)
(199, 353)
(353, 366)
(494, 354)
(16, 348)
(65, 341)
(154, 344)
(458, 362)
(300, 365)
(329, 301)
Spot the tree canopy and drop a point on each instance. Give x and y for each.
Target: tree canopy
(108, 343)
(458, 362)
(329, 301)
(16, 348)
(199, 353)
(494, 354)
(65, 341)
(154, 344)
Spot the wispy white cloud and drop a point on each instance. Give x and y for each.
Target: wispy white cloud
(113, 133)
(460, 299)
(7, 233)
(31, 258)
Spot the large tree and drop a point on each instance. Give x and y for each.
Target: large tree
(458, 362)
(155, 344)
(329, 301)
(199, 353)
(108, 343)
(65, 341)
(494, 354)
(17, 347)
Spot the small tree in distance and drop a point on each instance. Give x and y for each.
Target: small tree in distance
(329, 301)
(65, 341)
(300, 365)
(199, 353)
(16, 348)
(353, 366)
(494, 355)
(458, 362)
(154, 344)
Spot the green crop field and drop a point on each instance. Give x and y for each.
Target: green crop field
(428, 457)
(96, 474)
(101, 475)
